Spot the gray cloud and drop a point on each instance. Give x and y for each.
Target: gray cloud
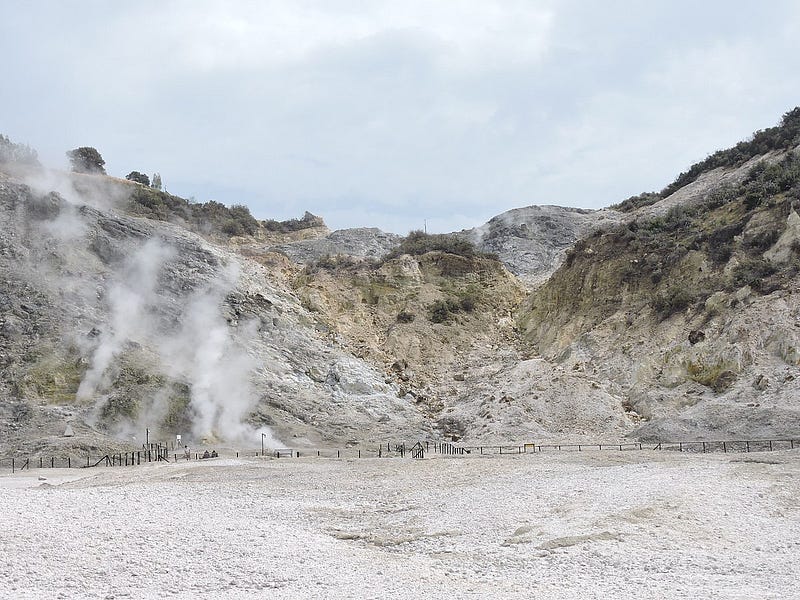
(393, 113)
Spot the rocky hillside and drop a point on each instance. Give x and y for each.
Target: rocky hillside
(671, 315)
(362, 242)
(690, 309)
(117, 323)
(532, 241)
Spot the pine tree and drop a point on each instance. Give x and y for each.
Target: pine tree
(86, 160)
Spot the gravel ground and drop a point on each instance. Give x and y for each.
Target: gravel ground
(562, 525)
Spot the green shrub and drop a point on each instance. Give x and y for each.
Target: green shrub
(724, 194)
(138, 177)
(307, 222)
(441, 310)
(179, 411)
(751, 271)
(86, 160)
(241, 214)
(672, 300)
(467, 303)
(231, 227)
(782, 137)
(118, 407)
(404, 317)
(418, 243)
(340, 262)
(634, 202)
(719, 243)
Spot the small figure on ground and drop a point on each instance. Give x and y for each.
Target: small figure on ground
(206, 454)
(214, 454)
(186, 453)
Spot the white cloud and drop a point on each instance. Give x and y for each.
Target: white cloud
(394, 110)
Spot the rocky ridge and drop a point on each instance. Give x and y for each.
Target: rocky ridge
(672, 315)
(532, 241)
(689, 314)
(117, 323)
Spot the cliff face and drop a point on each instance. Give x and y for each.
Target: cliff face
(427, 320)
(689, 310)
(118, 324)
(673, 315)
(532, 241)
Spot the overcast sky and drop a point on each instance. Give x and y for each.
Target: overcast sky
(390, 114)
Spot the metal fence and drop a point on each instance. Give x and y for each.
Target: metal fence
(418, 450)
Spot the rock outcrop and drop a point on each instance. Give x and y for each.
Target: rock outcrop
(675, 315)
(128, 323)
(532, 241)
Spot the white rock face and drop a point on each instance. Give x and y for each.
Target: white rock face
(153, 315)
(531, 241)
(363, 242)
(116, 322)
(782, 251)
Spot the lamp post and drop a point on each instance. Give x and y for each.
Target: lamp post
(147, 437)
(262, 443)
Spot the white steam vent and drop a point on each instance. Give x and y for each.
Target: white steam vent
(201, 350)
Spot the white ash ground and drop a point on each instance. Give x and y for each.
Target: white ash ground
(564, 525)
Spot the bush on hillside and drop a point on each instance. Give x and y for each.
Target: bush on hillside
(634, 202)
(240, 214)
(465, 301)
(441, 310)
(672, 300)
(752, 272)
(138, 178)
(417, 243)
(307, 222)
(86, 160)
(405, 317)
(781, 137)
